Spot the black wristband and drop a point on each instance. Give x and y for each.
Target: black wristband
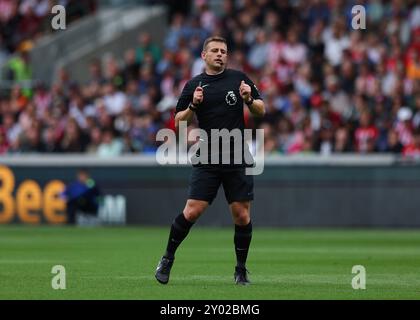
(192, 107)
(249, 103)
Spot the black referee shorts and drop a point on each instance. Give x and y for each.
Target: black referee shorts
(205, 182)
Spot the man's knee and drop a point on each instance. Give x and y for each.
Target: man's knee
(240, 212)
(193, 209)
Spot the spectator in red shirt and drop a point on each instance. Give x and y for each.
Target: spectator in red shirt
(413, 150)
(365, 136)
(404, 126)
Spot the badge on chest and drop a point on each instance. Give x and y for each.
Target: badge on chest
(231, 98)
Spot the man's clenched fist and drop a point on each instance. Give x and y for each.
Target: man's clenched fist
(245, 91)
(198, 95)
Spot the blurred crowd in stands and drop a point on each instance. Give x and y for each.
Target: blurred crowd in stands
(327, 87)
(26, 20)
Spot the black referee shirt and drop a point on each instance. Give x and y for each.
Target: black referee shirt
(222, 105)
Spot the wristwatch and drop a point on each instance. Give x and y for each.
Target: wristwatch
(250, 102)
(193, 107)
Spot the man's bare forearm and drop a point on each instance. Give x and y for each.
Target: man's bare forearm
(257, 108)
(184, 115)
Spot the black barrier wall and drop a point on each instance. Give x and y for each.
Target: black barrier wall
(285, 195)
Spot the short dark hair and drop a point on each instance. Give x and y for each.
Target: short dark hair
(83, 170)
(211, 39)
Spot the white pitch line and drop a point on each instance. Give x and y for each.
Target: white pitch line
(390, 251)
(11, 261)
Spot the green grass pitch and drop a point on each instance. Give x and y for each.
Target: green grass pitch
(119, 263)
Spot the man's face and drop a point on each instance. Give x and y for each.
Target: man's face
(82, 176)
(215, 55)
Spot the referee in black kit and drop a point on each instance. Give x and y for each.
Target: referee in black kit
(216, 97)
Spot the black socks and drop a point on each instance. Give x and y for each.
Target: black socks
(181, 226)
(179, 230)
(242, 240)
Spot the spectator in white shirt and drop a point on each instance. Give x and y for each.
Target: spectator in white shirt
(336, 41)
(114, 100)
(294, 52)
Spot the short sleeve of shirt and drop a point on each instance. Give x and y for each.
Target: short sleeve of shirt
(185, 98)
(254, 91)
